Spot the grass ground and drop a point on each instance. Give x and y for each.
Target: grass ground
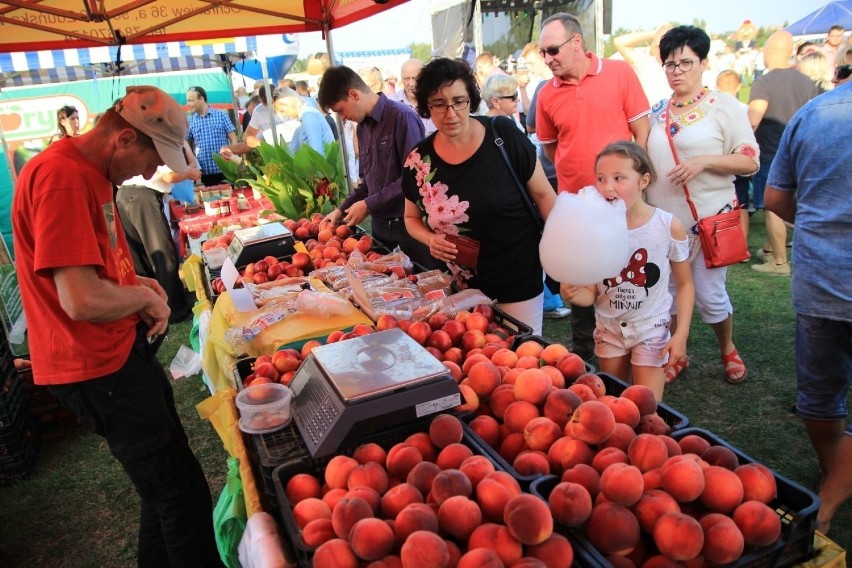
(78, 510)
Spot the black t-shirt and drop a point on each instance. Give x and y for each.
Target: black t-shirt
(480, 197)
(786, 91)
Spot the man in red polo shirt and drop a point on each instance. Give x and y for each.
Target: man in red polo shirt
(589, 103)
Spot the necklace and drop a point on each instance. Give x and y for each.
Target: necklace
(690, 101)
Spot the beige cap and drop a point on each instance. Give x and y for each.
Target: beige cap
(156, 114)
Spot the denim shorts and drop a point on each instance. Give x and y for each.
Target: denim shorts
(823, 367)
(758, 184)
(642, 340)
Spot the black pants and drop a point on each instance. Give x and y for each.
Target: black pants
(582, 328)
(213, 179)
(134, 410)
(151, 245)
(392, 233)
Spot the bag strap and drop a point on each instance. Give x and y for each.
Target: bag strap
(498, 141)
(677, 161)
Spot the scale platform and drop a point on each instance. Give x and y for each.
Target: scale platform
(254, 243)
(347, 389)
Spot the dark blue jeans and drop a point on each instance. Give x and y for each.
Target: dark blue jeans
(134, 410)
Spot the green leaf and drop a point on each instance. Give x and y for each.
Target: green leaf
(229, 169)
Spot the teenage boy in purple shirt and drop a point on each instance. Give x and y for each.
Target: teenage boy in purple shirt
(387, 131)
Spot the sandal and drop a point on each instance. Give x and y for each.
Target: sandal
(675, 370)
(733, 366)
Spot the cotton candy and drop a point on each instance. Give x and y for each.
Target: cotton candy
(585, 238)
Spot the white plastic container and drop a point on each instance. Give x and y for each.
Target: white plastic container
(215, 257)
(264, 408)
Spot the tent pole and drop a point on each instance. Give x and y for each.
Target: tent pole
(329, 46)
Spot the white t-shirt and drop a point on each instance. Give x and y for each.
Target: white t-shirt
(156, 182)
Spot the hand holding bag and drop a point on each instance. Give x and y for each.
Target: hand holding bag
(721, 236)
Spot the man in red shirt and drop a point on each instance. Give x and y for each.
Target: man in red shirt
(589, 103)
(92, 320)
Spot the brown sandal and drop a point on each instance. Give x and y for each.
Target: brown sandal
(676, 369)
(734, 365)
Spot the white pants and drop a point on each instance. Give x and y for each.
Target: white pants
(528, 312)
(711, 295)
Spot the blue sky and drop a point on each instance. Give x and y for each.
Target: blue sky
(409, 22)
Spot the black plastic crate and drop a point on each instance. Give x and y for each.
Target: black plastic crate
(19, 467)
(516, 327)
(282, 474)
(15, 436)
(11, 397)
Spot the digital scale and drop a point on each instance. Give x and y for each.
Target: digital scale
(347, 389)
(254, 243)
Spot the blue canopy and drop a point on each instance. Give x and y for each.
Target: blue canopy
(818, 22)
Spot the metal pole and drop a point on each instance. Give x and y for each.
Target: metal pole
(329, 46)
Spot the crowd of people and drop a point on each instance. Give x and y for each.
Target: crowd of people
(458, 168)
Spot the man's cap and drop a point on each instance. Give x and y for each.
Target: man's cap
(159, 116)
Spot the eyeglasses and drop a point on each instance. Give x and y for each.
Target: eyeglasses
(842, 73)
(553, 50)
(512, 97)
(442, 108)
(684, 65)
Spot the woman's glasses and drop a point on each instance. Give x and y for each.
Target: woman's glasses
(442, 108)
(684, 65)
(512, 97)
(842, 73)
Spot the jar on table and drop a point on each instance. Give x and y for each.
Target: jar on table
(242, 203)
(224, 207)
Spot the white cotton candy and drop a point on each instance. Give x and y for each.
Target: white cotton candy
(585, 238)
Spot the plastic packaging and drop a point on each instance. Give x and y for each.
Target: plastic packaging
(322, 304)
(185, 364)
(264, 407)
(261, 545)
(215, 257)
(585, 238)
(464, 300)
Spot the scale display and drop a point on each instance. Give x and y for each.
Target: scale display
(347, 389)
(254, 243)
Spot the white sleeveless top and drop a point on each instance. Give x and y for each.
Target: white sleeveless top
(641, 291)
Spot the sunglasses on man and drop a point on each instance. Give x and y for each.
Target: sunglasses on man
(842, 73)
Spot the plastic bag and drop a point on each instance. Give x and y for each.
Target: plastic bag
(261, 545)
(229, 516)
(585, 238)
(464, 300)
(185, 364)
(322, 304)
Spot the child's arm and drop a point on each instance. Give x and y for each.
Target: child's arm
(676, 347)
(579, 295)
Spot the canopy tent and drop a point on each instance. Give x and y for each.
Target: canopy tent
(31, 25)
(819, 21)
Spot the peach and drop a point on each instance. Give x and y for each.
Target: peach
(472, 359)
(337, 471)
(449, 483)
(332, 496)
(335, 553)
(371, 539)
(651, 506)
(527, 362)
(483, 377)
(398, 498)
(487, 428)
(671, 445)
(607, 457)
(301, 486)
(585, 392)
(622, 436)
(317, 532)
(476, 468)
(678, 536)
(540, 433)
(643, 397)
(505, 357)
(660, 561)
(424, 549)
(494, 491)
(570, 503)
(647, 452)
(555, 552)
(472, 339)
(455, 553)
(528, 562)
(721, 456)
(652, 479)
(370, 474)
(565, 453)
(758, 482)
(368, 494)
(723, 540)
(532, 385)
(444, 430)
(415, 517)
(592, 422)
(370, 453)
(552, 353)
(759, 524)
(585, 475)
(622, 483)
(531, 348)
(528, 518)
(531, 462)
(723, 490)
(693, 444)
(349, 511)
(592, 381)
(624, 410)
(401, 459)
(683, 478)
(652, 424)
(386, 562)
(452, 456)
(453, 366)
(612, 529)
(518, 414)
(310, 509)
(480, 558)
(497, 538)
(572, 367)
(501, 398)
(560, 405)
(458, 516)
(422, 442)
(557, 380)
(512, 446)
